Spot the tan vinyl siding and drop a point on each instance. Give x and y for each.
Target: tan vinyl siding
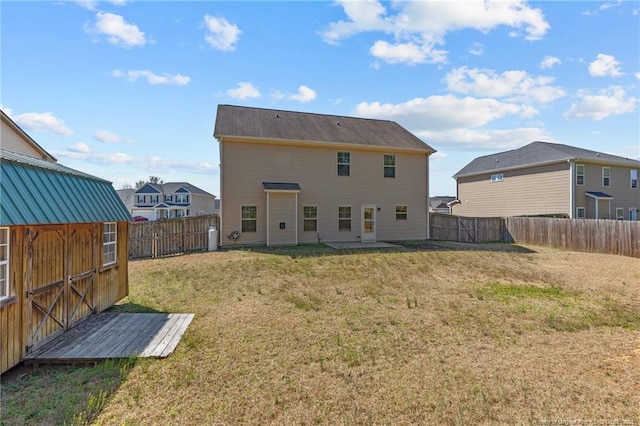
(282, 208)
(11, 141)
(246, 165)
(527, 191)
(201, 204)
(619, 188)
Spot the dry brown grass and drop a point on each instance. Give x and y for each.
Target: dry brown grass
(313, 336)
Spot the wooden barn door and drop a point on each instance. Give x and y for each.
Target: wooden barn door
(46, 279)
(82, 260)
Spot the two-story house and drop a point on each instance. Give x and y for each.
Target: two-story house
(544, 178)
(293, 177)
(170, 200)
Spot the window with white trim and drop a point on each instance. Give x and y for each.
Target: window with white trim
(498, 177)
(344, 163)
(154, 199)
(606, 176)
(310, 214)
(620, 213)
(249, 218)
(182, 198)
(4, 263)
(389, 165)
(580, 213)
(109, 243)
(140, 199)
(344, 218)
(634, 178)
(579, 174)
(401, 212)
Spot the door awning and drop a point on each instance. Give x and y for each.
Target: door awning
(280, 187)
(598, 195)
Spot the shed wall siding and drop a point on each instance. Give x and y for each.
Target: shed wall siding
(527, 191)
(246, 165)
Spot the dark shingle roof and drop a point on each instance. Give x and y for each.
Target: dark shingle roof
(539, 153)
(260, 123)
(170, 188)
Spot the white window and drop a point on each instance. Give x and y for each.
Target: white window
(4, 263)
(140, 199)
(401, 212)
(154, 199)
(344, 218)
(579, 174)
(498, 177)
(310, 218)
(389, 165)
(634, 178)
(182, 198)
(344, 163)
(606, 176)
(620, 213)
(109, 243)
(580, 212)
(249, 218)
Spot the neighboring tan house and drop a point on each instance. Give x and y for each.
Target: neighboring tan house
(169, 200)
(63, 246)
(440, 204)
(293, 177)
(544, 178)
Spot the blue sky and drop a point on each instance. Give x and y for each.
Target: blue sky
(125, 90)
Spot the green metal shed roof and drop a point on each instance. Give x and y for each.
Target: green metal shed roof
(35, 192)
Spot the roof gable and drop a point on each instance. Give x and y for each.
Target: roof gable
(149, 188)
(538, 153)
(181, 190)
(269, 124)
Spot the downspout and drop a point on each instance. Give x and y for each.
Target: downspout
(427, 201)
(572, 189)
(268, 221)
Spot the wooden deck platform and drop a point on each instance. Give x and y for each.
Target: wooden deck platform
(115, 335)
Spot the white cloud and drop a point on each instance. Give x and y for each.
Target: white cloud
(484, 139)
(512, 85)
(441, 112)
(417, 28)
(607, 102)
(549, 62)
(7, 110)
(605, 65)
(164, 78)
(638, 75)
(476, 49)
(305, 94)
(152, 165)
(243, 91)
(221, 34)
(116, 30)
(92, 4)
(106, 136)
(80, 147)
(437, 155)
(42, 122)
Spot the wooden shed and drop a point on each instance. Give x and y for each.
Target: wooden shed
(63, 251)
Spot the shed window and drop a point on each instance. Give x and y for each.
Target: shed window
(310, 218)
(634, 179)
(4, 263)
(344, 218)
(606, 176)
(344, 163)
(498, 177)
(109, 243)
(579, 174)
(401, 212)
(389, 165)
(249, 218)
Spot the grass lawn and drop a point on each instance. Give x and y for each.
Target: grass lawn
(310, 335)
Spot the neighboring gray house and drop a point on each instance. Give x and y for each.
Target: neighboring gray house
(440, 204)
(168, 200)
(544, 178)
(293, 177)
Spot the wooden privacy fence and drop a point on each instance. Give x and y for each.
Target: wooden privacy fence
(447, 227)
(172, 236)
(620, 237)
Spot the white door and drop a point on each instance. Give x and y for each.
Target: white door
(368, 227)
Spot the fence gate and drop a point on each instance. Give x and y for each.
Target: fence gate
(45, 284)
